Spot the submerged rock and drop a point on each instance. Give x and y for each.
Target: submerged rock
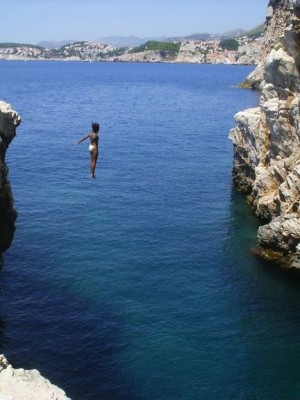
(266, 139)
(9, 121)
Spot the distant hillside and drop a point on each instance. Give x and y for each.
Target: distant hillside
(134, 41)
(252, 33)
(197, 36)
(256, 32)
(234, 33)
(14, 45)
(127, 41)
(48, 44)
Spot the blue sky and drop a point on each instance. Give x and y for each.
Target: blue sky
(32, 21)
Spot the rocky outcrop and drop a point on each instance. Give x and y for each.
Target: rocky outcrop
(249, 54)
(277, 16)
(9, 120)
(20, 384)
(267, 138)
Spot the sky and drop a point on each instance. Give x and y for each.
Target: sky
(32, 21)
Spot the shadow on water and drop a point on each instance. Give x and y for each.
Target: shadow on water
(242, 239)
(264, 302)
(45, 326)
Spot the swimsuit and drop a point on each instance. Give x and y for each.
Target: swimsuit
(91, 147)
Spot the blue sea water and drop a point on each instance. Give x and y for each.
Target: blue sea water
(141, 284)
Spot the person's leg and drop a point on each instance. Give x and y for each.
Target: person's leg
(94, 157)
(92, 168)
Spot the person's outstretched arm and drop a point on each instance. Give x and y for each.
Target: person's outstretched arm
(84, 138)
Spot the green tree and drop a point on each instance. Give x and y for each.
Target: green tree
(157, 46)
(229, 44)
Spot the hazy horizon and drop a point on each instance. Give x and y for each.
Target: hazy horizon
(34, 21)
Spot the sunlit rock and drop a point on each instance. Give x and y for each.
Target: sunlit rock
(266, 140)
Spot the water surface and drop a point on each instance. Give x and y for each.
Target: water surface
(139, 284)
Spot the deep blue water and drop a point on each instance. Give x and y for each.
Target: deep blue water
(139, 285)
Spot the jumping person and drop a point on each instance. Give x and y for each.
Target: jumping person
(93, 147)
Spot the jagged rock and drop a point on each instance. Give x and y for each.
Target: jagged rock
(9, 120)
(246, 156)
(281, 234)
(20, 384)
(277, 15)
(266, 139)
(280, 70)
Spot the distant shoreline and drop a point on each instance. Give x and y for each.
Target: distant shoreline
(122, 62)
(241, 51)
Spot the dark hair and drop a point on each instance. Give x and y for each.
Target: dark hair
(95, 127)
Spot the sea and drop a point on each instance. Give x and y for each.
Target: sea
(140, 284)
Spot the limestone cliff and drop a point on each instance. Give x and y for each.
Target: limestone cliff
(266, 140)
(277, 17)
(9, 120)
(20, 384)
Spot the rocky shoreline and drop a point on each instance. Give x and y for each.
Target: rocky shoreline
(266, 139)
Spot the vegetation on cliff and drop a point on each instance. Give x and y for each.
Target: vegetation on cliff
(152, 45)
(229, 44)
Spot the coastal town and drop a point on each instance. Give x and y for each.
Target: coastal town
(243, 50)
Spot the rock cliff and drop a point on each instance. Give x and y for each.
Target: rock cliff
(266, 139)
(9, 120)
(276, 22)
(20, 384)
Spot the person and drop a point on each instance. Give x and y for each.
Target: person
(93, 147)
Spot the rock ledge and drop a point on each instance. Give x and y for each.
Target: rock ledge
(20, 384)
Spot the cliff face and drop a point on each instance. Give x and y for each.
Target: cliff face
(276, 21)
(266, 140)
(9, 120)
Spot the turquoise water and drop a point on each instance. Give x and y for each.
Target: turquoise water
(139, 284)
